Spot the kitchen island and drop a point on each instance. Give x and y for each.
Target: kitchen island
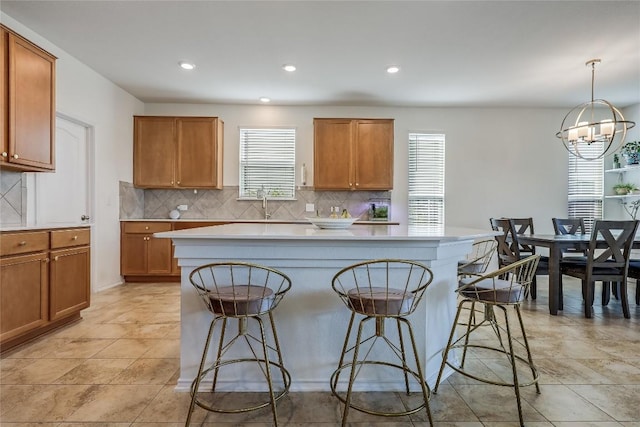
(311, 319)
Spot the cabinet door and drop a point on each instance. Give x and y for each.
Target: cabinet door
(4, 97)
(69, 282)
(23, 294)
(158, 255)
(31, 105)
(332, 154)
(373, 155)
(154, 152)
(197, 157)
(133, 256)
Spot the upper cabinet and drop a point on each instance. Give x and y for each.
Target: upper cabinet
(27, 104)
(353, 154)
(177, 152)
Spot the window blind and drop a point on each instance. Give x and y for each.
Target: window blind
(426, 179)
(586, 185)
(267, 161)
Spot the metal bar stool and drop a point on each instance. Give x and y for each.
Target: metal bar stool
(380, 290)
(241, 291)
(501, 289)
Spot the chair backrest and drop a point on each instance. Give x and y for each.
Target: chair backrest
(479, 258)
(524, 226)
(564, 226)
(508, 247)
(614, 253)
(383, 287)
(507, 285)
(239, 289)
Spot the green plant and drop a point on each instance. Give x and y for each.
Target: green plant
(631, 147)
(624, 188)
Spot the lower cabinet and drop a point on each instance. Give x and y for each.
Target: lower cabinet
(45, 281)
(144, 258)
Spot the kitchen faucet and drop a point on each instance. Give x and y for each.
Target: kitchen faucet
(262, 194)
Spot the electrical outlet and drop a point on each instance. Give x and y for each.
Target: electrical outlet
(183, 207)
(309, 207)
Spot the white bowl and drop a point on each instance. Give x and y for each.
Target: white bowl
(332, 223)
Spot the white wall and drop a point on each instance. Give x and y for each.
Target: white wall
(87, 96)
(498, 161)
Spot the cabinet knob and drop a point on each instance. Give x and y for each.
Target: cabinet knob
(171, 182)
(178, 182)
(357, 184)
(23, 243)
(146, 227)
(4, 154)
(45, 260)
(74, 238)
(56, 258)
(15, 156)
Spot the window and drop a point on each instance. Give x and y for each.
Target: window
(586, 183)
(267, 161)
(426, 179)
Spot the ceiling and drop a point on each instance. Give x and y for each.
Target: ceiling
(450, 53)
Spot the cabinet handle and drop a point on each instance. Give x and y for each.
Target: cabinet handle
(23, 243)
(15, 156)
(74, 238)
(4, 154)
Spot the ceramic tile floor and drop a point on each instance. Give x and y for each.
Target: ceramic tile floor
(118, 367)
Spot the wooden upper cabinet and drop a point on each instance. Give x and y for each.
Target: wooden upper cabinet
(353, 154)
(27, 105)
(177, 152)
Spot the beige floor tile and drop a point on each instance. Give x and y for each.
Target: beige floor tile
(559, 403)
(79, 348)
(621, 402)
(569, 371)
(164, 348)
(148, 371)
(170, 406)
(495, 403)
(42, 371)
(9, 366)
(114, 403)
(95, 371)
(42, 403)
(125, 348)
(447, 405)
(587, 424)
(94, 425)
(54, 424)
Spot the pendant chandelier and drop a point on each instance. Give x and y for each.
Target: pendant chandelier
(595, 122)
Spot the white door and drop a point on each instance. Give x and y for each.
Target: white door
(62, 197)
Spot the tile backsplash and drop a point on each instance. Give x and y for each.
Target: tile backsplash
(224, 204)
(13, 198)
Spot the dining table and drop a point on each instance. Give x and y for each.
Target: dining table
(556, 245)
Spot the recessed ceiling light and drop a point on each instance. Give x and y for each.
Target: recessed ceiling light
(265, 99)
(187, 65)
(393, 69)
(288, 67)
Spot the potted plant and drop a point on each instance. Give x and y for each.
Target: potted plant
(631, 152)
(624, 188)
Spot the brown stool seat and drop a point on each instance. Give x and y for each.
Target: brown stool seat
(379, 301)
(241, 300)
(492, 290)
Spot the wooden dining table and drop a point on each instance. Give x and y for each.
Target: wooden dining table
(556, 244)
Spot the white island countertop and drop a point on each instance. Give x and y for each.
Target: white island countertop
(252, 231)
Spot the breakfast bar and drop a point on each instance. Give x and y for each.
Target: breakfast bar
(311, 319)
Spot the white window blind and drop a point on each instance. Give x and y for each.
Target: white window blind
(586, 185)
(426, 179)
(267, 161)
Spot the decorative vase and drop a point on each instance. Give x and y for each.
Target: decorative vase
(632, 158)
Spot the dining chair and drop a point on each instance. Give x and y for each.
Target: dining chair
(498, 290)
(570, 226)
(634, 273)
(245, 293)
(511, 250)
(607, 261)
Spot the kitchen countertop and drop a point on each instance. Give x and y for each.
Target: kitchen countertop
(42, 227)
(249, 221)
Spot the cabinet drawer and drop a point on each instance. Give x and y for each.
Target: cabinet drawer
(21, 243)
(146, 227)
(68, 238)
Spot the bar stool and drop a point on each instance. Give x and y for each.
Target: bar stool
(241, 291)
(501, 289)
(380, 290)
